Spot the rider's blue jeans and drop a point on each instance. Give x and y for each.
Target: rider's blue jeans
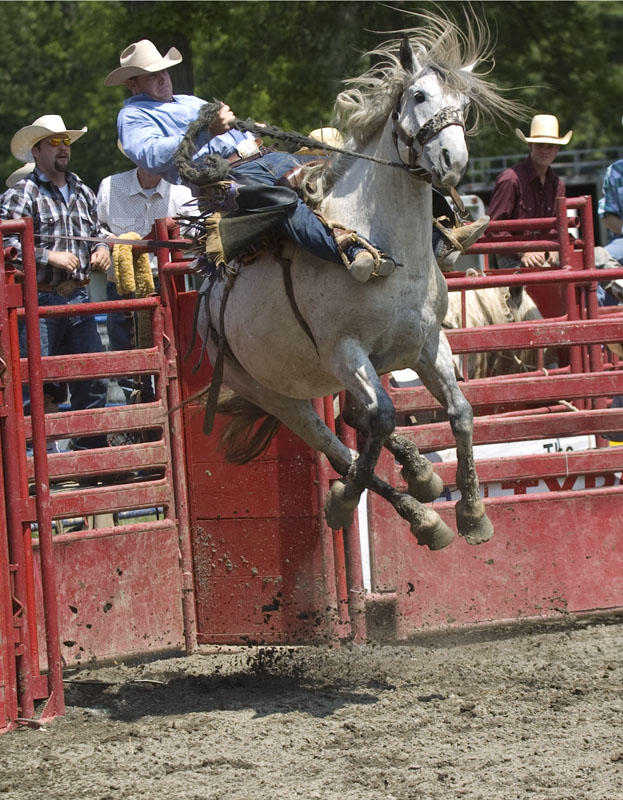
(71, 336)
(301, 224)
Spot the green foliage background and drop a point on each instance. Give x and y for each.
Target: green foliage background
(283, 62)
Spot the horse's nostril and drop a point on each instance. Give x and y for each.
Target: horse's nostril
(447, 158)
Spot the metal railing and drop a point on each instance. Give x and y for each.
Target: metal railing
(574, 166)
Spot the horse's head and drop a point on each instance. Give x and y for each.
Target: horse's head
(429, 121)
(426, 81)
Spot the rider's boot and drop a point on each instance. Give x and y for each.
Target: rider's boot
(362, 259)
(455, 241)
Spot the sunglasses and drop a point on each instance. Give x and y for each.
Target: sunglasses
(55, 141)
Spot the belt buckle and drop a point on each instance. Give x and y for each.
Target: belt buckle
(247, 148)
(67, 287)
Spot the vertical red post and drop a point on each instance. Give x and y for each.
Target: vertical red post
(55, 704)
(178, 466)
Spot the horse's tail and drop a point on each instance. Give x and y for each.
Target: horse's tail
(240, 439)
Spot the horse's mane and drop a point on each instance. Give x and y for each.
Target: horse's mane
(440, 45)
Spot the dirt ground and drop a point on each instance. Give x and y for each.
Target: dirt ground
(525, 715)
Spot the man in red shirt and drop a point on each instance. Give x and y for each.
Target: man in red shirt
(529, 189)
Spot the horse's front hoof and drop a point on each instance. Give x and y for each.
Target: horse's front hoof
(339, 506)
(425, 489)
(475, 527)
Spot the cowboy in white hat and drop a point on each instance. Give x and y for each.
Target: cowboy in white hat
(64, 218)
(151, 126)
(46, 126)
(529, 189)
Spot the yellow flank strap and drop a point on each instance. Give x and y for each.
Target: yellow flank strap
(132, 268)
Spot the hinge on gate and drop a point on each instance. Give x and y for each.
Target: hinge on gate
(18, 618)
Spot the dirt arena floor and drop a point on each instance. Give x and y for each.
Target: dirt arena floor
(501, 716)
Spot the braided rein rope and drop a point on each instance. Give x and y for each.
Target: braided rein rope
(215, 168)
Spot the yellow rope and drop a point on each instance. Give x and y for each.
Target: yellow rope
(133, 275)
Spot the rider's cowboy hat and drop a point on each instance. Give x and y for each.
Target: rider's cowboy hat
(544, 130)
(330, 136)
(141, 58)
(20, 173)
(26, 138)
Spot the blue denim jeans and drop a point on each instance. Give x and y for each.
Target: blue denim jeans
(301, 225)
(71, 336)
(120, 328)
(605, 296)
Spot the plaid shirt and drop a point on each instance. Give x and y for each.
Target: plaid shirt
(54, 221)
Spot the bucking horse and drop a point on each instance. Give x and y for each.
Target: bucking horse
(329, 333)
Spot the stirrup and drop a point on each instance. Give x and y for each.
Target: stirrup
(463, 236)
(448, 235)
(383, 264)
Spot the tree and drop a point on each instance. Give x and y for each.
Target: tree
(284, 63)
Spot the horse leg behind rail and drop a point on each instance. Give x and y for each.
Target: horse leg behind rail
(423, 483)
(374, 416)
(297, 415)
(436, 370)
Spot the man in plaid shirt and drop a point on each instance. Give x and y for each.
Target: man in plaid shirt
(61, 206)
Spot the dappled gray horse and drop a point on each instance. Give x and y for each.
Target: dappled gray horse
(411, 106)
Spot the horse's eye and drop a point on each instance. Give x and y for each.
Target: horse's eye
(419, 97)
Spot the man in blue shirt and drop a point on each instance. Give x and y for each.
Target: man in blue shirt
(611, 211)
(152, 124)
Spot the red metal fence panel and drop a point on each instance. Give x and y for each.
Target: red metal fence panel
(553, 500)
(109, 591)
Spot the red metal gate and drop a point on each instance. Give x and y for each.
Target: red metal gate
(245, 556)
(100, 592)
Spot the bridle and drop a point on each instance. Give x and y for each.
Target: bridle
(446, 116)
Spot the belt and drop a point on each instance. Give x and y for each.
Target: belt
(235, 160)
(64, 288)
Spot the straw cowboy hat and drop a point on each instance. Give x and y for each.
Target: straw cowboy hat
(330, 136)
(26, 138)
(544, 130)
(141, 58)
(20, 173)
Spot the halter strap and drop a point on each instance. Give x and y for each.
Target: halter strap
(446, 116)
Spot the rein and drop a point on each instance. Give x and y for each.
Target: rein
(446, 116)
(292, 137)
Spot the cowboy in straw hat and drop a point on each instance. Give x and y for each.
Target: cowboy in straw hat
(544, 130)
(141, 58)
(529, 189)
(236, 174)
(64, 218)
(26, 138)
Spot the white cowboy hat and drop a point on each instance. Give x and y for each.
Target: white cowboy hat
(330, 136)
(20, 173)
(544, 130)
(26, 138)
(141, 58)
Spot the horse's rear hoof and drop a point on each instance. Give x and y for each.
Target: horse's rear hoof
(339, 506)
(475, 528)
(435, 537)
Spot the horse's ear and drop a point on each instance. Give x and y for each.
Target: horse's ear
(408, 59)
